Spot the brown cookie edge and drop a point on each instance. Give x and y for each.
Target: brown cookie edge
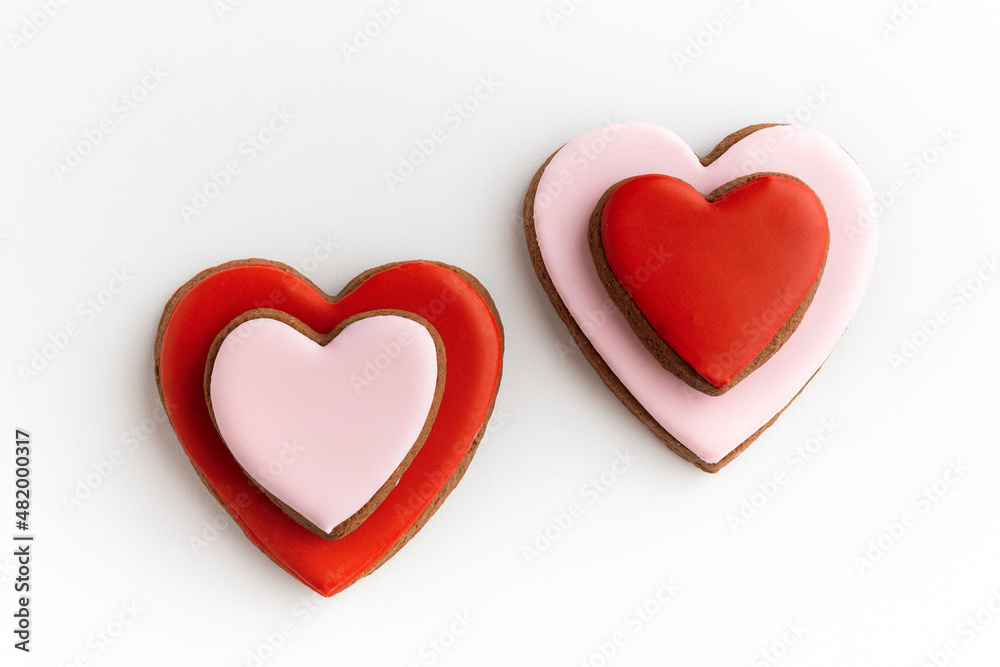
(611, 380)
(351, 285)
(345, 527)
(661, 351)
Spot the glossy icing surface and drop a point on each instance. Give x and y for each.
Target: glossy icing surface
(715, 280)
(473, 345)
(323, 427)
(579, 174)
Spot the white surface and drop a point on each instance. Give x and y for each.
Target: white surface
(321, 182)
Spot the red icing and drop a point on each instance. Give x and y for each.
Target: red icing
(737, 268)
(473, 348)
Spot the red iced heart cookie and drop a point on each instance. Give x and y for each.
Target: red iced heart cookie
(713, 285)
(461, 312)
(326, 425)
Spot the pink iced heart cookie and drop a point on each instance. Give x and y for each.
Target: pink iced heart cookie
(707, 430)
(326, 424)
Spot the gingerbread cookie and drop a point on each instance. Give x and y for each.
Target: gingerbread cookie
(713, 284)
(330, 427)
(325, 425)
(706, 292)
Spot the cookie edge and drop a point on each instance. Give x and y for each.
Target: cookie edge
(661, 351)
(613, 383)
(349, 287)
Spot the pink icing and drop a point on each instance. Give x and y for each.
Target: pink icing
(580, 172)
(322, 427)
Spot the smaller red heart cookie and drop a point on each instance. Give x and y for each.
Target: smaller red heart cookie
(712, 285)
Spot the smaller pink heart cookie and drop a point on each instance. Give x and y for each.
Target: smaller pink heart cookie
(325, 425)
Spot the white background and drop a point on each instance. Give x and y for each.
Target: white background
(321, 181)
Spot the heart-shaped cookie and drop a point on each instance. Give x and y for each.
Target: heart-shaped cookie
(706, 430)
(326, 425)
(452, 302)
(712, 285)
